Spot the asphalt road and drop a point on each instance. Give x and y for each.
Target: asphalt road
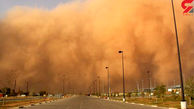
(85, 102)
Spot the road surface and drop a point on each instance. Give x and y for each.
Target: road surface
(86, 102)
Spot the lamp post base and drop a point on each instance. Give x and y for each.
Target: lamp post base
(183, 105)
(124, 99)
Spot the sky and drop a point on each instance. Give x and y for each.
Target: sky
(6, 5)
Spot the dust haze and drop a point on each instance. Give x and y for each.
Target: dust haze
(75, 41)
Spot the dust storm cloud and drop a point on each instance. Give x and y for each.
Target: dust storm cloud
(76, 40)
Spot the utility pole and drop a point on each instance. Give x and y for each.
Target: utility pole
(91, 91)
(183, 101)
(63, 87)
(174, 83)
(15, 86)
(138, 89)
(64, 84)
(104, 86)
(142, 86)
(93, 85)
(27, 92)
(99, 86)
(155, 83)
(96, 86)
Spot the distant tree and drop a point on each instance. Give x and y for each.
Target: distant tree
(189, 88)
(136, 92)
(129, 94)
(43, 93)
(142, 94)
(174, 95)
(160, 91)
(20, 92)
(13, 93)
(26, 93)
(10, 77)
(6, 91)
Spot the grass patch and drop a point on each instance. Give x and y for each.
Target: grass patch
(23, 102)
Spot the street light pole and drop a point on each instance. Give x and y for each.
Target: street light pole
(123, 76)
(149, 82)
(94, 85)
(99, 86)
(96, 82)
(183, 102)
(27, 91)
(63, 87)
(142, 88)
(108, 82)
(138, 89)
(104, 85)
(15, 86)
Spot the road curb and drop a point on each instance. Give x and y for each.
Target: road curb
(30, 105)
(154, 106)
(139, 104)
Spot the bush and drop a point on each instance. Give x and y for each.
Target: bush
(189, 89)
(42, 93)
(159, 91)
(6, 91)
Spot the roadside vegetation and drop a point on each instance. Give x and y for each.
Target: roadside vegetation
(161, 96)
(10, 98)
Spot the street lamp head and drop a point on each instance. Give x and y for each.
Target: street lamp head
(106, 67)
(120, 51)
